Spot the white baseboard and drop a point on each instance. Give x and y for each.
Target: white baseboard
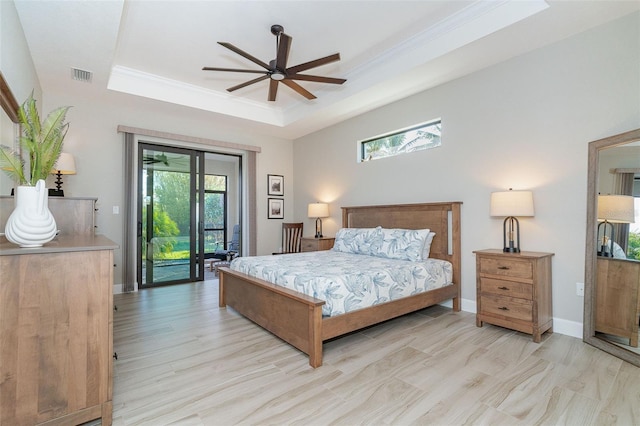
(562, 326)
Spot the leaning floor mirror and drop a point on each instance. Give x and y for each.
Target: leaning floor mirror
(612, 259)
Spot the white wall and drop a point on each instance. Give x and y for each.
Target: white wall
(524, 123)
(19, 72)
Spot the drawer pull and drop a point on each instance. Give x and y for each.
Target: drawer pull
(503, 288)
(505, 268)
(503, 308)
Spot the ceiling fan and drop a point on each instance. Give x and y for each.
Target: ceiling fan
(158, 158)
(277, 71)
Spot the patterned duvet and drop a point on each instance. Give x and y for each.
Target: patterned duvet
(347, 281)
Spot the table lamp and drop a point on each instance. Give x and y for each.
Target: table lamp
(511, 204)
(318, 210)
(66, 165)
(613, 209)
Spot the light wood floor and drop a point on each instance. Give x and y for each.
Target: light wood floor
(184, 361)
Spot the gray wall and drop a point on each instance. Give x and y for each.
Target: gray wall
(522, 124)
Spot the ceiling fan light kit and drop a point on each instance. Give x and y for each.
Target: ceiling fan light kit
(276, 71)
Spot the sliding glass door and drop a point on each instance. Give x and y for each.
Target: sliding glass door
(189, 207)
(169, 238)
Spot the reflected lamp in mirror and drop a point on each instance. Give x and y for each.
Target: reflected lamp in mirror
(509, 204)
(66, 165)
(612, 209)
(318, 210)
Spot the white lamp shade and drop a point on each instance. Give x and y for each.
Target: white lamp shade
(318, 210)
(616, 208)
(66, 165)
(512, 203)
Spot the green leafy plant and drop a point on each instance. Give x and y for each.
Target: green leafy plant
(42, 141)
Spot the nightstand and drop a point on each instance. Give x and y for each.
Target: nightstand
(514, 291)
(316, 244)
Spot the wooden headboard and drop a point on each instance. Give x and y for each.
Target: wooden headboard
(441, 218)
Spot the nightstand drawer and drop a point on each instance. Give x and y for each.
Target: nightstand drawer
(507, 267)
(506, 288)
(308, 245)
(316, 244)
(507, 306)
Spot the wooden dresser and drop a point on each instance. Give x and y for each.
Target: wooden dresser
(618, 298)
(316, 244)
(514, 291)
(56, 322)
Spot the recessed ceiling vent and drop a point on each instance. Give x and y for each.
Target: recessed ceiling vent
(81, 75)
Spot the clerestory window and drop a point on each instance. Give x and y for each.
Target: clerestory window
(415, 138)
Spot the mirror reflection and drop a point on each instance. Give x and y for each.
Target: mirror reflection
(617, 266)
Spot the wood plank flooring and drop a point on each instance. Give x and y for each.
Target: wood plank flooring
(184, 361)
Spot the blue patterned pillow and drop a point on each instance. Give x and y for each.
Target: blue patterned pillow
(403, 244)
(355, 240)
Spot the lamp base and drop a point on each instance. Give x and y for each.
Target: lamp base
(56, 193)
(318, 228)
(511, 226)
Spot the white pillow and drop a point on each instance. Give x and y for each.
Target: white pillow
(427, 245)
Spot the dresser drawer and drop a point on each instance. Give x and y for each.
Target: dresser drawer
(507, 267)
(507, 306)
(506, 288)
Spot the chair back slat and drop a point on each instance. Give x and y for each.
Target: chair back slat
(291, 237)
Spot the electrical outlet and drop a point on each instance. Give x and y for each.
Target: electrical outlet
(116, 209)
(580, 289)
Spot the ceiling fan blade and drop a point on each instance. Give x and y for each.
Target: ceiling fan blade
(244, 54)
(313, 64)
(273, 90)
(284, 45)
(301, 90)
(316, 78)
(233, 70)
(246, 83)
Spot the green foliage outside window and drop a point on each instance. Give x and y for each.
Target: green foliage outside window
(417, 138)
(633, 251)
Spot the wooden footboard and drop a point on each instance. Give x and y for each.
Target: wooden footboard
(294, 317)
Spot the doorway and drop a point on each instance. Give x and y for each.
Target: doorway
(187, 200)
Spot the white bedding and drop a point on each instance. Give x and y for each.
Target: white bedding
(347, 281)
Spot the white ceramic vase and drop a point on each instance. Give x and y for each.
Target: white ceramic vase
(31, 224)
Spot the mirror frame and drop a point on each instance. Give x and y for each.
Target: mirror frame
(8, 101)
(589, 333)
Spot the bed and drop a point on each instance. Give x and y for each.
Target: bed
(297, 318)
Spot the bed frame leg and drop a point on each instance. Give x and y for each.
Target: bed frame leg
(315, 336)
(456, 304)
(221, 302)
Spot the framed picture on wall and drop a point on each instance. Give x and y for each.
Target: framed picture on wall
(275, 208)
(275, 185)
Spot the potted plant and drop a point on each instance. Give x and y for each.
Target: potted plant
(31, 224)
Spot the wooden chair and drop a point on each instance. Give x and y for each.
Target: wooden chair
(291, 237)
